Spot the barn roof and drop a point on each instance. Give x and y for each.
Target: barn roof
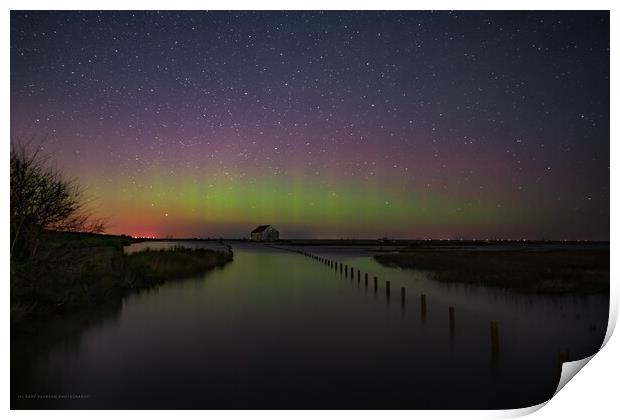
(260, 228)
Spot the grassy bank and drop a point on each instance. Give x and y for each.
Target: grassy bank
(72, 272)
(556, 271)
(151, 267)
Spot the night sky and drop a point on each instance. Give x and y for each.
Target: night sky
(324, 124)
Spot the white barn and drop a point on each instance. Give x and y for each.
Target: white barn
(265, 233)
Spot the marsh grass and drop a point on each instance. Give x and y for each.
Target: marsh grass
(557, 271)
(155, 266)
(85, 271)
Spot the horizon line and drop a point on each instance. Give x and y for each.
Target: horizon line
(218, 238)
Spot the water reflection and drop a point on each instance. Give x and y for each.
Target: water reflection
(451, 320)
(423, 307)
(277, 329)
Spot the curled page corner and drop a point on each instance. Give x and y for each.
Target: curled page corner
(613, 315)
(518, 412)
(570, 369)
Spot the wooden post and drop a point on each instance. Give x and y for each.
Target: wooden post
(451, 317)
(375, 284)
(402, 297)
(359, 277)
(494, 338)
(423, 306)
(366, 280)
(387, 289)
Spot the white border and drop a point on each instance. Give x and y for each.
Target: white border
(593, 393)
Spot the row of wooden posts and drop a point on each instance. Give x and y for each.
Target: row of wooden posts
(494, 329)
(350, 272)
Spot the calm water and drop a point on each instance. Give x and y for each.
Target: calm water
(275, 329)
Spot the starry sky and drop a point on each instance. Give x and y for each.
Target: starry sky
(324, 124)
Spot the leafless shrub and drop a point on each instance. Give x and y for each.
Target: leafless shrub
(42, 198)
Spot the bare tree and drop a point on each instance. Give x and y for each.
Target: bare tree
(42, 198)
